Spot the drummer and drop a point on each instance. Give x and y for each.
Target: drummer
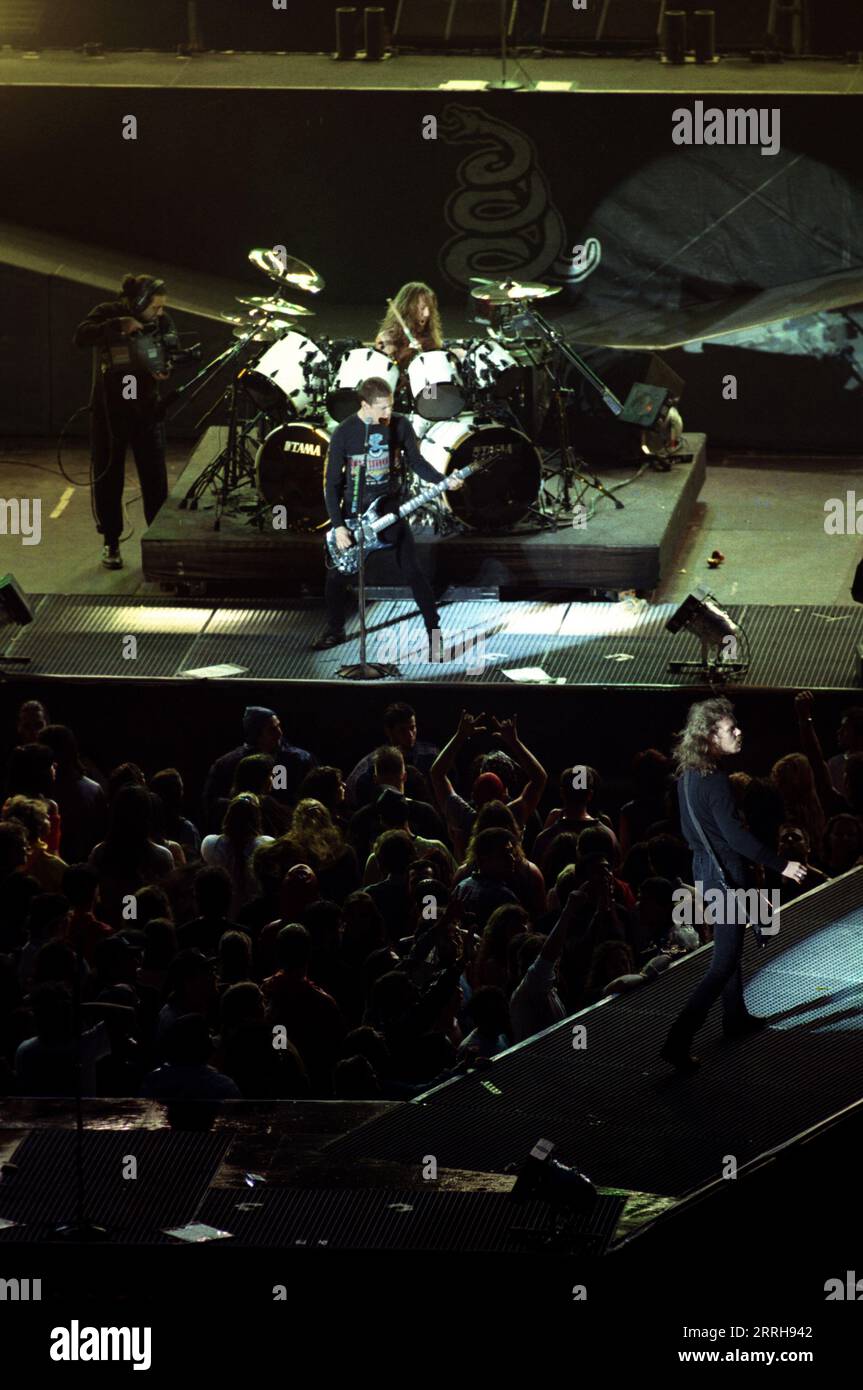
(416, 303)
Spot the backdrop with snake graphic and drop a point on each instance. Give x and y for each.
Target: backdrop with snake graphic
(502, 213)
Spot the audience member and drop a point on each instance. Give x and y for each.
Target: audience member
(168, 787)
(233, 850)
(322, 846)
(459, 814)
(128, 857)
(400, 730)
(365, 825)
(262, 733)
(81, 800)
(310, 1017)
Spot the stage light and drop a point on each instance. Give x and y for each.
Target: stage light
(15, 611)
(542, 1178)
(719, 635)
(664, 439)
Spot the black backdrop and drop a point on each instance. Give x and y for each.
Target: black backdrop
(512, 182)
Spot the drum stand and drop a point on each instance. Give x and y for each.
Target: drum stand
(573, 469)
(232, 468)
(364, 670)
(572, 466)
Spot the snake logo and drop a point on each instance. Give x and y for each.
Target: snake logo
(502, 212)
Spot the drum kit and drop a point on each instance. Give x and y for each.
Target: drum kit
(465, 402)
(293, 388)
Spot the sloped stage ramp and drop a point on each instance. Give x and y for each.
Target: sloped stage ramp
(619, 1113)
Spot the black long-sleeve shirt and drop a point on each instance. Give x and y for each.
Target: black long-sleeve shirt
(731, 842)
(383, 475)
(102, 326)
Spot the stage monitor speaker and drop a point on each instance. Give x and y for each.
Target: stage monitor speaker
(597, 434)
(478, 21)
(631, 21)
(15, 611)
(561, 21)
(422, 21)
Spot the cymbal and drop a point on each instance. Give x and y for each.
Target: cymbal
(512, 291)
(276, 306)
(263, 335)
(287, 270)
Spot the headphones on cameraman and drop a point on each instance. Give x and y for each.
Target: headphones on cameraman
(148, 291)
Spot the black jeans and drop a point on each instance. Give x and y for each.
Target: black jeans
(724, 977)
(401, 536)
(111, 433)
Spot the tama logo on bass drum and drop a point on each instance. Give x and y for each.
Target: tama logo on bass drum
(299, 446)
(482, 453)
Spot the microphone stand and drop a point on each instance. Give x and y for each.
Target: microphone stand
(364, 670)
(504, 83)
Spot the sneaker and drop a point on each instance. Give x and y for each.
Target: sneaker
(680, 1057)
(329, 639)
(111, 557)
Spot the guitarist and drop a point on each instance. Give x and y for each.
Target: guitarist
(379, 436)
(722, 847)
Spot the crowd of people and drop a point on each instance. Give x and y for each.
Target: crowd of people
(295, 929)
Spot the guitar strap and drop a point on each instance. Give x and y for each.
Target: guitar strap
(354, 508)
(701, 835)
(761, 933)
(396, 473)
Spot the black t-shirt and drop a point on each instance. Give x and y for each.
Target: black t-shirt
(384, 470)
(365, 826)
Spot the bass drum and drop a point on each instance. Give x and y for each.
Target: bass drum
(503, 492)
(288, 378)
(290, 467)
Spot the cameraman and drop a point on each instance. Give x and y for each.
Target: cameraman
(124, 403)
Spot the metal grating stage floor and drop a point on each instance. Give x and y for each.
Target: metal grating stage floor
(381, 1219)
(624, 1117)
(584, 644)
(172, 1174)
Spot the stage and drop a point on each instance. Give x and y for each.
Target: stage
(541, 73)
(591, 647)
(286, 1177)
(628, 549)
